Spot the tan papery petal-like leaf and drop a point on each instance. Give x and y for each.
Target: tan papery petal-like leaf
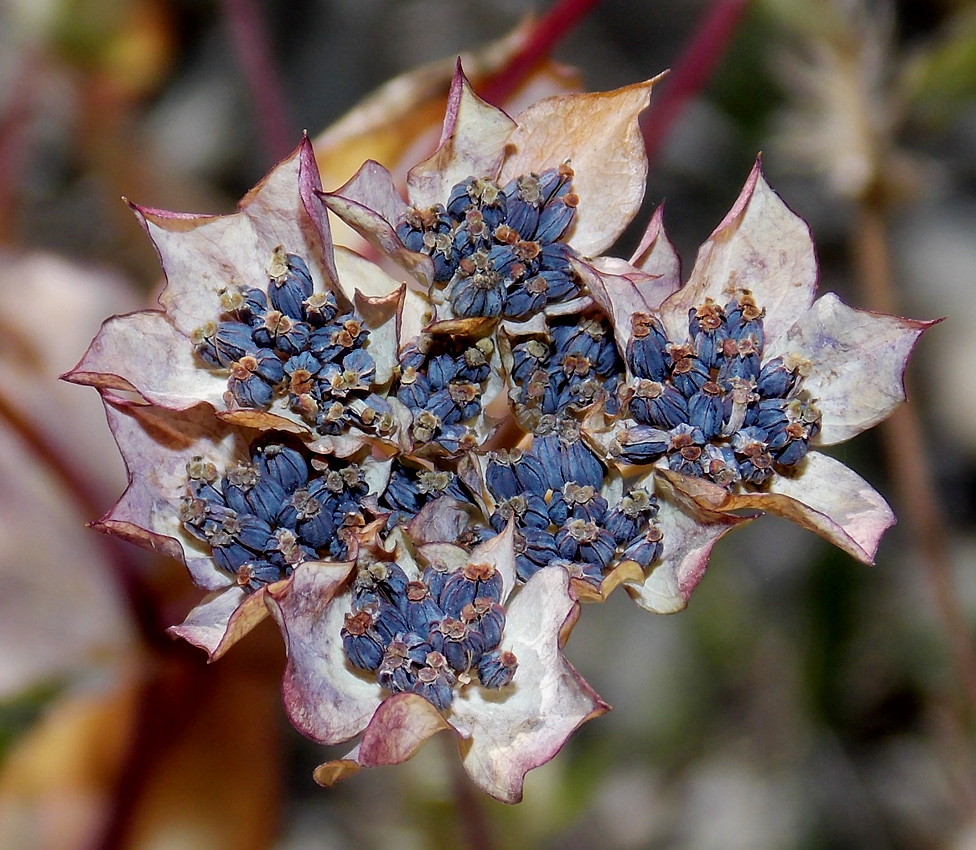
(145, 353)
(857, 361)
(823, 496)
(599, 136)
(690, 532)
(762, 246)
(326, 698)
(524, 724)
(156, 444)
(656, 255)
(203, 255)
(222, 619)
(370, 204)
(472, 145)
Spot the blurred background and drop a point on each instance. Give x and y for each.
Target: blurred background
(802, 701)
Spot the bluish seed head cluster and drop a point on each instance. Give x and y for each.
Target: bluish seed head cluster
(441, 381)
(709, 404)
(496, 249)
(553, 492)
(426, 636)
(291, 342)
(267, 515)
(571, 367)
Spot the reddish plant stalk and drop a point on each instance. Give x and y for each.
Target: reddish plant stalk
(547, 32)
(251, 43)
(911, 476)
(691, 72)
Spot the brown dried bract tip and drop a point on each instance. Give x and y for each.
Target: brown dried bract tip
(709, 315)
(640, 324)
(750, 310)
(416, 591)
(358, 623)
(478, 572)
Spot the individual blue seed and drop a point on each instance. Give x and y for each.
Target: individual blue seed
(646, 348)
(459, 644)
(477, 295)
(522, 205)
(719, 464)
(646, 548)
(362, 644)
(362, 363)
(232, 341)
(535, 548)
(303, 362)
(467, 584)
(414, 390)
(793, 452)
(435, 681)
(269, 366)
(389, 622)
(250, 390)
(401, 493)
(642, 444)
(745, 318)
(230, 555)
(253, 575)
(421, 609)
(288, 293)
(265, 498)
(443, 407)
(775, 380)
(524, 299)
(441, 370)
(579, 464)
(320, 308)
(253, 307)
(488, 618)
(381, 582)
(455, 439)
(501, 479)
(529, 473)
(688, 374)
(706, 410)
(497, 669)
(558, 508)
(435, 576)
(548, 449)
(254, 533)
(284, 464)
(555, 218)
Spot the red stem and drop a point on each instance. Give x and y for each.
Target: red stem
(691, 72)
(251, 44)
(546, 33)
(13, 137)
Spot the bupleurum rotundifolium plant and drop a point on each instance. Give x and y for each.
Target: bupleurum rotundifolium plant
(419, 476)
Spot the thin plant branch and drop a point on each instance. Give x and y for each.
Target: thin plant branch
(691, 72)
(546, 33)
(252, 46)
(911, 476)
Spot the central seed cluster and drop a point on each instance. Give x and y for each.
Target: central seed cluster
(554, 494)
(497, 249)
(710, 405)
(427, 636)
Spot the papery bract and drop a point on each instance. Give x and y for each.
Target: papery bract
(501, 733)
